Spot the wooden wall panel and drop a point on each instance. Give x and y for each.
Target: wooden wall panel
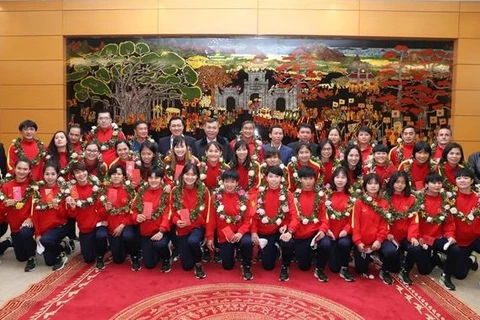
(409, 6)
(31, 5)
(31, 48)
(464, 128)
(469, 25)
(31, 72)
(110, 22)
(469, 147)
(308, 22)
(469, 6)
(465, 77)
(42, 23)
(310, 4)
(409, 24)
(468, 51)
(31, 97)
(47, 120)
(210, 22)
(109, 4)
(207, 4)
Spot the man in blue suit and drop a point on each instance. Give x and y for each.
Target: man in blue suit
(176, 126)
(304, 134)
(276, 137)
(211, 130)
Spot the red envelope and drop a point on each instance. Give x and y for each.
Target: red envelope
(49, 195)
(136, 176)
(112, 195)
(17, 193)
(147, 209)
(178, 171)
(185, 216)
(130, 167)
(227, 231)
(419, 185)
(428, 240)
(74, 193)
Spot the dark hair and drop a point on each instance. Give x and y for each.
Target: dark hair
(78, 166)
(421, 146)
(449, 148)
(464, 172)
(216, 144)
(365, 129)
(357, 171)
(306, 172)
(139, 122)
(334, 128)
(323, 143)
(177, 141)
(393, 178)
(369, 177)
(104, 111)
(189, 166)
(230, 175)
(304, 125)
(27, 124)
(270, 152)
(175, 118)
(275, 126)
(92, 143)
(409, 127)
(380, 148)
(248, 122)
(335, 173)
(51, 164)
(276, 170)
(23, 159)
(120, 141)
(152, 146)
(113, 169)
(212, 120)
(302, 144)
(52, 150)
(433, 177)
(75, 126)
(445, 127)
(238, 144)
(157, 171)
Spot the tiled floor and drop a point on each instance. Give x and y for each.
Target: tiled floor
(468, 290)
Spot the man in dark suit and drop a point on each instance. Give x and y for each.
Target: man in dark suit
(3, 162)
(176, 126)
(211, 129)
(276, 136)
(304, 134)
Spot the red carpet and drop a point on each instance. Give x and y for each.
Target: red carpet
(80, 292)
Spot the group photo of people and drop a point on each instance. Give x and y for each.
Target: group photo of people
(326, 207)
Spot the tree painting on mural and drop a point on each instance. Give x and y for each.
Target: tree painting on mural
(283, 81)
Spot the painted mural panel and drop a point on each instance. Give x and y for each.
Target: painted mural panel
(285, 81)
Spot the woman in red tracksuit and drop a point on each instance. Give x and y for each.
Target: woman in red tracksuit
(404, 226)
(436, 229)
(151, 210)
(247, 168)
(370, 230)
(190, 210)
(117, 196)
(329, 162)
(303, 159)
(231, 219)
(93, 160)
(467, 223)
(310, 235)
(84, 205)
(275, 221)
(352, 160)
(452, 160)
(339, 207)
(49, 217)
(419, 165)
(16, 202)
(211, 169)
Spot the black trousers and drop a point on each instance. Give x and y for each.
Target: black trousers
(23, 244)
(153, 251)
(51, 241)
(93, 244)
(387, 253)
(227, 252)
(406, 256)
(340, 253)
(190, 248)
(270, 251)
(304, 252)
(425, 263)
(125, 243)
(463, 263)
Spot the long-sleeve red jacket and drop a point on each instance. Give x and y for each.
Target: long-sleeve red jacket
(466, 233)
(368, 226)
(15, 217)
(124, 218)
(433, 207)
(340, 203)
(408, 226)
(151, 226)
(45, 220)
(87, 217)
(306, 209)
(30, 148)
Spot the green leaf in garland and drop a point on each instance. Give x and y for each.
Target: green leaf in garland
(126, 48)
(96, 86)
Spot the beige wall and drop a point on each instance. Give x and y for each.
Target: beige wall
(32, 67)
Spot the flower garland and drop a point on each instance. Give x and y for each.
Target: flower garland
(464, 217)
(434, 147)
(263, 171)
(408, 166)
(400, 154)
(372, 203)
(177, 200)
(283, 207)
(110, 143)
(334, 214)
(123, 209)
(446, 204)
(73, 157)
(89, 201)
(21, 154)
(356, 187)
(37, 197)
(372, 165)
(220, 209)
(203, 167)
(20, 203)
(161, 204)
(254, 167)
(446, 183)
(397, 215)
(256, 150)
(293, 165)
(316, 202)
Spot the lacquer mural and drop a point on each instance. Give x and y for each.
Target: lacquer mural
(285, 81)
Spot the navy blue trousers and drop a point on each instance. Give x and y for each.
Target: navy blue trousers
(227, 252)
(340, 253)
(4, 244)
(425, 262)
(153, 251)
(270, 251)
(93, 244)
(123, 244)
(24, 244)
(387, 253)
(51, 241)
(406, 256)
(463, 263)
(190, 248)
(304, 253)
